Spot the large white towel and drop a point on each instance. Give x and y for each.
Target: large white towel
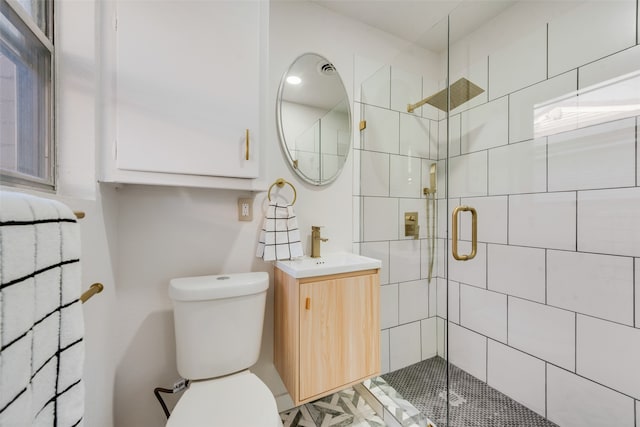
(280, 237)
(41, 321)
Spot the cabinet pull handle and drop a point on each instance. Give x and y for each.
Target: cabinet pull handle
(246, 138)
(307, 304)
(474, 233)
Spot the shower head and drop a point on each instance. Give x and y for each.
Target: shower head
(460, 92)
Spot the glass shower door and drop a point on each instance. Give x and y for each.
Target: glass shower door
(399, 194)
(543, 291)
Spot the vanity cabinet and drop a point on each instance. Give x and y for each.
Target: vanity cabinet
(327, 332)
(187, 92)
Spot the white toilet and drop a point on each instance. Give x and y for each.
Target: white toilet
(218, 322)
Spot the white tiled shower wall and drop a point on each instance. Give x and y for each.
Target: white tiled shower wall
(549, 310)
(395, 152)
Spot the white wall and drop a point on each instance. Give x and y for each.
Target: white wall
(136, 238)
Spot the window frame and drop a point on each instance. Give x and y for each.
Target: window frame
(48, 156)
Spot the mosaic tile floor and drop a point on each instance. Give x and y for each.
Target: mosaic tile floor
(344, 408)
(473, 403)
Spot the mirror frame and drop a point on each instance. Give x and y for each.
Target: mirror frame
(283, 142)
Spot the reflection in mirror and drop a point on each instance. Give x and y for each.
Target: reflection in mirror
(314, 119)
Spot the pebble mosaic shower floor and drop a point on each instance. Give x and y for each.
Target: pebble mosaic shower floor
(473, 403)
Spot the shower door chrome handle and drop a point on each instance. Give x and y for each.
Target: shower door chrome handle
(474, 233)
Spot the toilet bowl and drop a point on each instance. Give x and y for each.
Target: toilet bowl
(236, 400)
(218, 323)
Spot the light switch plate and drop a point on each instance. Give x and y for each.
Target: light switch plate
(245, 209)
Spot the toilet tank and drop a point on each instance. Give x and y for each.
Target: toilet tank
(218, 322)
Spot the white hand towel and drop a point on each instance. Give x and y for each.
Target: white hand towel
(41, 320)
(280, 237)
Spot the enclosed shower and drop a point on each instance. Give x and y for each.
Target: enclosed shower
(512, 132)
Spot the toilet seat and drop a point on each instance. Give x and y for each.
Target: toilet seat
(236, 400)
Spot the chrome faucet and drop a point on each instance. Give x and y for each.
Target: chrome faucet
(315, 241)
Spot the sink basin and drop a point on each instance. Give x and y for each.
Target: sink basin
(333, 263)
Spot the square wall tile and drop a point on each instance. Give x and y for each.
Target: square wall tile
(441, 291)
(453, 299)
(404, 260)
(599, 340)
(356, 232)
(380, 218)
(598, 285)
(415, 137)
(355, 177)
(388, 306)
(441, 179)
(441, 331)
(608, 221)
(492, 219)
(384, 351)
(624, 90)
(430, 86)
(374, 176)
(413, 205)
(405, 346)
(518, 375)
(573, 401)
(601, 156)
(522, 103)
(443, 217)
(468, 175)
(468, 351)
(356, 116)
(414, 301)
(406, 173)
(545, 332)
(376, 89)
(477, 73)
(518, 168)
(520, 64)
(454, 137)
(637, 273)
(406, 88)
(484, 312)
(590, 31)
(429, 249)
(485, 126)
(426, 178)
(433, 140)
(383, 130)
(516, 270)
(543, 220)
(441, 258)
(433, 297)
(472, 272)
(378, 250)
(429, 337)
(607, 68)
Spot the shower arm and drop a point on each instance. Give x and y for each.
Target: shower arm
(411, 107)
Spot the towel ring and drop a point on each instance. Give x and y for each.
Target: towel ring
(280, 182)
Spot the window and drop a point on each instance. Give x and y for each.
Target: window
(26, 93)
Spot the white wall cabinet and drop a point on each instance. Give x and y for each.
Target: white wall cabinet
(187, 92)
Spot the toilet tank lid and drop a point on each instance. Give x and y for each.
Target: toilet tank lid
(204, 288)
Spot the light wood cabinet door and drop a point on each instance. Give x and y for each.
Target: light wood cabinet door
(339, 333)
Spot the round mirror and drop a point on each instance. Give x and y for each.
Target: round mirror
(314, 119)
